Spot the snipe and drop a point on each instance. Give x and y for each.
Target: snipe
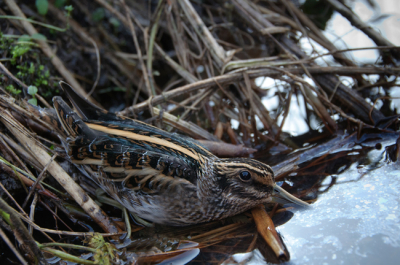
(160, 176)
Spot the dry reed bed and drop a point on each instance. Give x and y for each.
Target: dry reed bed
(185, 66)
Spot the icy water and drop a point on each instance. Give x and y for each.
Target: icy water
(356, 222)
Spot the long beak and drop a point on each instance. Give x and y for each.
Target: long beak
(281, 196)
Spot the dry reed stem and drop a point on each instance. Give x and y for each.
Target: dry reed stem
(187, 127)
(22, 234)
(218, 53)
(201, 38)
(238, 76)
(79, 195)
(26, 181)
(266, 228)
(13, 249)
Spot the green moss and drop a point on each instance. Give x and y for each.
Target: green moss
(21, 53)
(13, 90)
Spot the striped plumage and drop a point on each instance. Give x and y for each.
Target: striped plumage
(160, 176)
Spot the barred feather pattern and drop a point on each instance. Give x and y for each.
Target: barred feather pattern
(160, 176)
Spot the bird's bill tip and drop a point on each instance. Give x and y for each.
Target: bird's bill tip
(281, 196)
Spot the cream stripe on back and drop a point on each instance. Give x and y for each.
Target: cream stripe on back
(135, 136)
(235, 164)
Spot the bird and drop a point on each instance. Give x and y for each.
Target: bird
(162, 177)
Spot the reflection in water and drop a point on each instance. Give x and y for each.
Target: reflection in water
(183, 258)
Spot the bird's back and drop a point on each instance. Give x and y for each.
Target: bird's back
(153, 173)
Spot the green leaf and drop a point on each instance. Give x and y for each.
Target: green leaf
(12, 90)
(38, 36)
(19, 50)
(69, 9)
(59, 3)
(115, 22)
(33, 101)
(42, 6)
(98, 14)
(32, 90)
(31, 69)
(5, 216)
(24, 38)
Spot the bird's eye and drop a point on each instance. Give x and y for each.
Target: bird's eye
(245, 175)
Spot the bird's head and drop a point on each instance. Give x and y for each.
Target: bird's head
(245, 183)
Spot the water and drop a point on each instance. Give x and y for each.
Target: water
(356, 222)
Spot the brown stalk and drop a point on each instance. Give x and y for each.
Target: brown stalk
(234, 139)
(238, 76)
(266, 229)
(259, 108)
(58, 173)
(220, 56)
(222, 149)
(28, 182)
(185, 126)
(25, 156)
(22, 234)
(219, 130)
(10, 154)
(199, 100)
(38, 180)
(129, 23)
(13, 249)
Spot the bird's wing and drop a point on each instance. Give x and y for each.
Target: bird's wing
(132, 154)
(130, 164)
(92, 114)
